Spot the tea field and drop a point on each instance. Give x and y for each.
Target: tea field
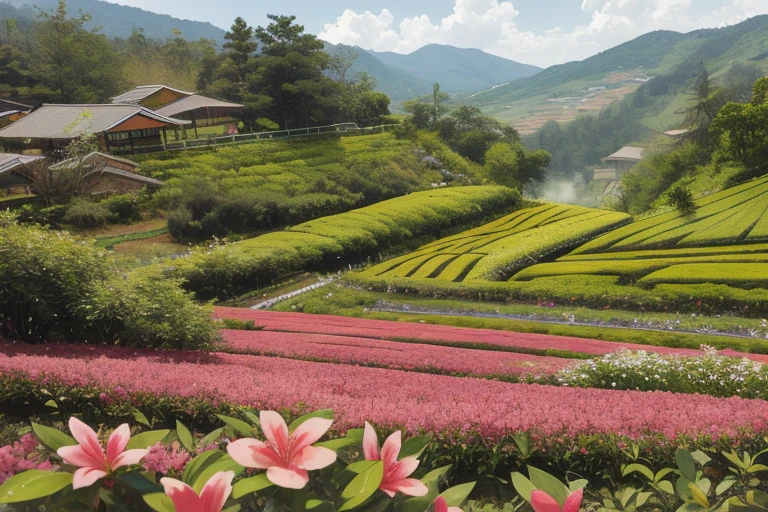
(713, 261)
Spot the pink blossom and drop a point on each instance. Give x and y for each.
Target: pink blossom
(442, 506)
(543, 502)
(20, 457)
(286, 456)
(443, 334)
(211, 499)
(161, 459)
(89, 455)
(395, 471)
(392, 354)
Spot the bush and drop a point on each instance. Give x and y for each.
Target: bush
(53, 285)
(178, 223)
(82, 213)
(125, 209)
(143, 309)
(43, 276)
(681, 198)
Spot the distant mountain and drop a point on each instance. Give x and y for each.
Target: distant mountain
(120, 20)
(457, 70)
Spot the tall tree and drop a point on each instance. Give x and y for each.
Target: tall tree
(240, 47)
(73, 65)
(290, 72)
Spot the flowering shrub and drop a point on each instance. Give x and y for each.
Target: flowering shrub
(112, 478)
(709, 374)
(22, 456)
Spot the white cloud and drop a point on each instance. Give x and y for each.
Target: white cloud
(491, 25)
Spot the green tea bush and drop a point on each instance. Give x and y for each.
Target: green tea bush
(328, 242)
(82, 213)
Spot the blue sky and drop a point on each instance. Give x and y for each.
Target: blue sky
(540, 32)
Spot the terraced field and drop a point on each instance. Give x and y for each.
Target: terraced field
(497, 249)
(721, 243)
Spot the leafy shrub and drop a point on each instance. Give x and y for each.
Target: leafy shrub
(43, 276)
(681, 198)
(55, 285)
(35, 213)
(125, 209)
(178, 223)
(83, 213)
(143, 309)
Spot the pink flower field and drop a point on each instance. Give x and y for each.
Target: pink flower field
(382, 329)
(391, 354)
(388, 397)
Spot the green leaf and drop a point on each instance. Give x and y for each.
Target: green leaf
(238, 425)
(361, 466)
(159, 502)
(139, 416)
(733, 457)
(638, 468)
(757, 468)
(185, 436)
(414, 446)
(52, 403)
(698, 495)
(662, 473)
(686, 464)
(666, 486)
(52, 438)
(210, 438)
(198, 464)
(456, 495)
(146, 439)
(140, 483)
(701, 457)
(318, 505)
(577, 484)
(224, 463)
(362, 486)
(549, 484)
(250, 485)
(523, 486)
(326, 414)
(253, 418)
(435, 474)
(723, 486)
(354, 436)
(33, 484)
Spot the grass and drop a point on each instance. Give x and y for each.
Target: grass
(112, 241)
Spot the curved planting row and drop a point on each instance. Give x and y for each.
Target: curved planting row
(392, 354)
(415, 401)
(446, 335)
(495, 249)
(326, 242)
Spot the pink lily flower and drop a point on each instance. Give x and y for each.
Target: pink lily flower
(442, 506)
(395, 471)
(543, 502)
(286, 457)
(89, 455)
(212, 498)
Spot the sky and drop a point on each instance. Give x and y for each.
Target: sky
(538, 32)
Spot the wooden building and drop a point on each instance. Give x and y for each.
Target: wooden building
(119, 128)
(12, 111)
(200, 111)
(10, 165)
(107, 174)
(623, 160)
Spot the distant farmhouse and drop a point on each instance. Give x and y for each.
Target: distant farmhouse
(622, 160)
(200, 111)
(117, 127)
(11, 111)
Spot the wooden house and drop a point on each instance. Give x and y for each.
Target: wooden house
(199, 110)
(624, 159)
(119, 128)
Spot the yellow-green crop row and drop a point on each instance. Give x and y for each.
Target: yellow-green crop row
(732, 216)
(325, 243)
(669, 253)
(746, 275)
(494, 250)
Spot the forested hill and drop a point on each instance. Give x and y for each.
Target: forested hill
(119, 20)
